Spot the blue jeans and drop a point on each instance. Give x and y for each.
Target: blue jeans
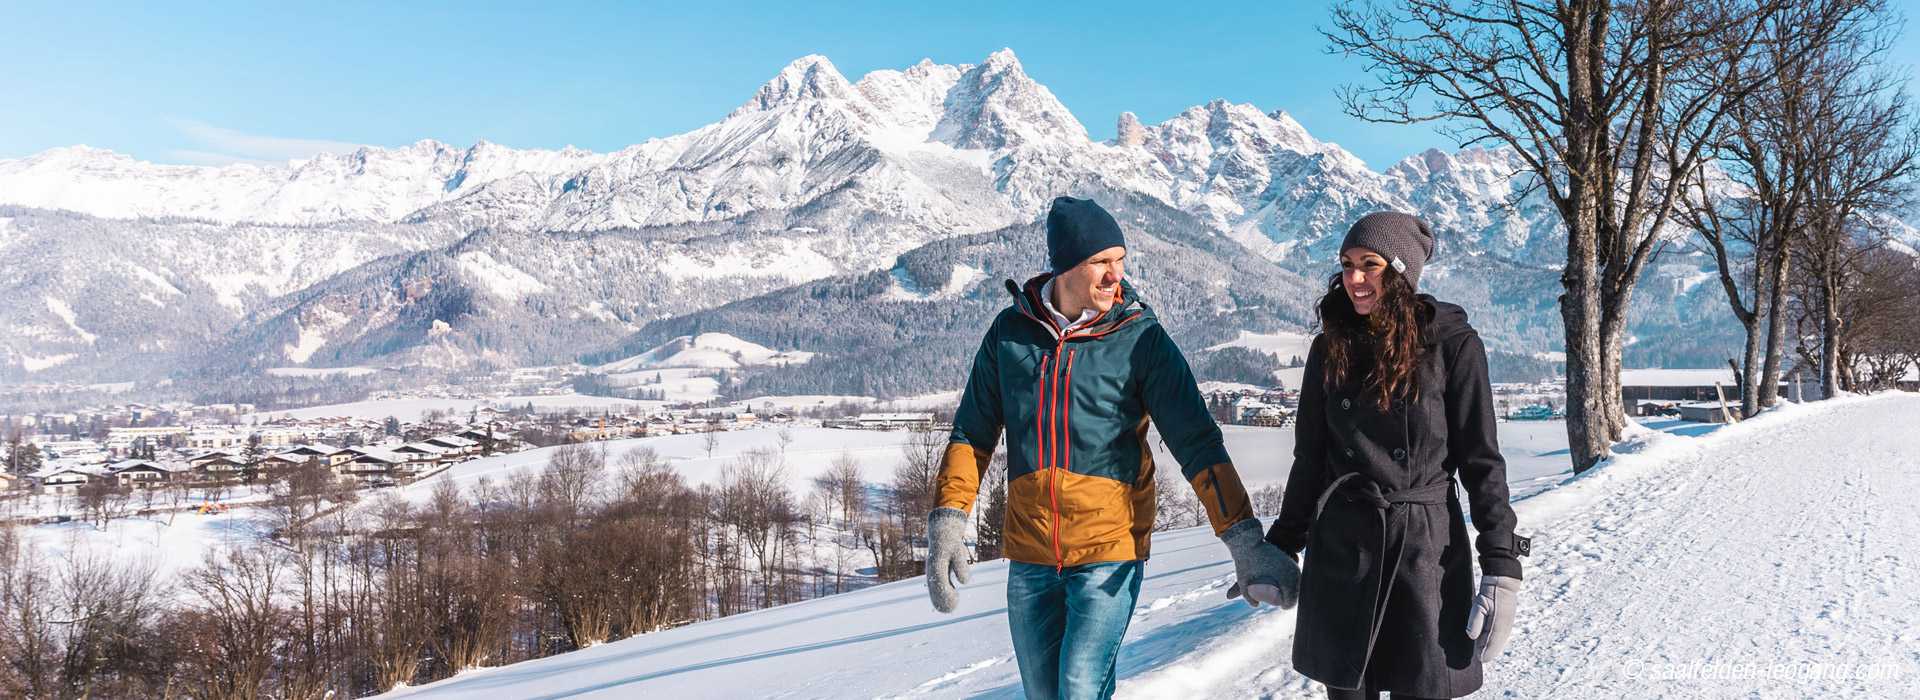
(1067, 625)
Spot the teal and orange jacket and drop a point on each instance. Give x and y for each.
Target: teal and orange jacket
(1075, 410)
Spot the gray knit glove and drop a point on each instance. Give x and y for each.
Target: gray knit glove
(946, 554)
(1492, 615)
(1261, 571)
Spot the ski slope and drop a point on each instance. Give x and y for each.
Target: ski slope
(1769, 559)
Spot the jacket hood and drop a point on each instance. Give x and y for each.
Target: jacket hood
(1448, 321)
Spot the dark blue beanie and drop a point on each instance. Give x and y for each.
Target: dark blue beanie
(1076, 229)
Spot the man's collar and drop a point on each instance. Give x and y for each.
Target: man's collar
(1087, 315)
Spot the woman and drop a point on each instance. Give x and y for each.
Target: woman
(1394, 402)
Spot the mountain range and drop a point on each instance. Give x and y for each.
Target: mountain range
(870, 222)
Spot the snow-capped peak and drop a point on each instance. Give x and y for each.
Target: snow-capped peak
(1129, 133)
(809, 77)
(996, 105)
(1003, 60)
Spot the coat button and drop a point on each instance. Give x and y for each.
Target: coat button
(1346, 403)
(1349, 453)
(1399, 454)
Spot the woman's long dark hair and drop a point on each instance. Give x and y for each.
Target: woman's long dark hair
(1390, 337)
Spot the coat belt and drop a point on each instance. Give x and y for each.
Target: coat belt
(1364, 490)
(1392, 545)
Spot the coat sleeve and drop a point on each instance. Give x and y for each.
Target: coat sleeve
(976, 429)
(1309, 473)
(1173, 401)
(1473, 450)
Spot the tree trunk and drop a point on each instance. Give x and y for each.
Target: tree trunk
(1585, 127)
(1613, 335)
(1749, 367)
(1829, 336)
(1776, 330)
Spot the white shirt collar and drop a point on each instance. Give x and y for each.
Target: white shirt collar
(1059, 319)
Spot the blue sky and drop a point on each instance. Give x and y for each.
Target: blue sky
(218, 82)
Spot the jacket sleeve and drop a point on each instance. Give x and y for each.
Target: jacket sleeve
(976, 429)
(1309, 472)
(1473, 449)
(1173, 401)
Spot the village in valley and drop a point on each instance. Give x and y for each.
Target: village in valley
(144, 459)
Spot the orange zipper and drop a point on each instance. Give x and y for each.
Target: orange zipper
(1066, 427)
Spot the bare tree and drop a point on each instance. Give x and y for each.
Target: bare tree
(1752, 206)
(911, 495)
(1267, 499)
(849, 487)
(103, 499)
(29, 642)
(106, 610)
(300, 495)
(573, 478)
(1864, 148)
(234, 623)
(1610, 105)
(466, 591)
(1175, 505)
(657, 528)
(754, 500)
(1877, 334)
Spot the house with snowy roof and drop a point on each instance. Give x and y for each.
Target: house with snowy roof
(369, 463)
(216, 464)
(142, 473)
(454, 445)
(65, 477)
(327, 454)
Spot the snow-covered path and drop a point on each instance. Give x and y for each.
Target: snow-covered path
(1744, 564)
(1774, 558)
(1766, 559)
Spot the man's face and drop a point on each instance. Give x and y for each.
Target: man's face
(1094, 283)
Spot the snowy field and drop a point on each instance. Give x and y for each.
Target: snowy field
(1766, 559)
(168, 547)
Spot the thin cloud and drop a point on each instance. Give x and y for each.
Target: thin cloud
(222, 146)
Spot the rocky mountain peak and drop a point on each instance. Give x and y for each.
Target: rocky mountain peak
(1129, 133)
(810, 77)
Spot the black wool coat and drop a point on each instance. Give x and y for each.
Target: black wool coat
(1388, 578)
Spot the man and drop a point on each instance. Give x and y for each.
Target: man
(1071, 371)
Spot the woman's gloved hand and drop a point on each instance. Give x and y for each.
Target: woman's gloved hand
(1491, 620)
